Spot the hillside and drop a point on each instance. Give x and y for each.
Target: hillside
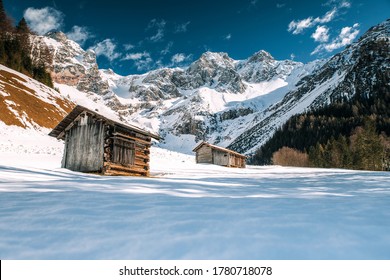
(27, 103)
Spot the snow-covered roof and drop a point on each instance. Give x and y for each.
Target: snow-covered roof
(217, 148)
(66, 122)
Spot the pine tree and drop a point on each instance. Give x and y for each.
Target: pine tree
(367, 147)
(5, 21)
(22, 27)
(386, 152)
(23, 33)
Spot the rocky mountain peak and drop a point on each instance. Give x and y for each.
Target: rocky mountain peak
(214, 70)
(377, 32)
(261, 56)
(215, 57)
(383, 27)
(212, 61)
(261, 67)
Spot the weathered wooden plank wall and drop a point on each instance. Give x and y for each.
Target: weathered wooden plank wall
(204, 155)
(124, 151)
(84, 146)
(220, 158)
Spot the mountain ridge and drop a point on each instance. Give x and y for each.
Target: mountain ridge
(233, 103)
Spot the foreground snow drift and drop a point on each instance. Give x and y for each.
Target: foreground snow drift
(185, 211)
(189, 211)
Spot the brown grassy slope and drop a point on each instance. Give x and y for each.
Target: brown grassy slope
(22, 106)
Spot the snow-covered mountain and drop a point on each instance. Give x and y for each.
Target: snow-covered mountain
(215, 99)
(360, 70)
(238, 104)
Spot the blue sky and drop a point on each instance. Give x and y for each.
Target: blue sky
(138, 36)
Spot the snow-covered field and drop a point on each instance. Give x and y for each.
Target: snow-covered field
(185, 211)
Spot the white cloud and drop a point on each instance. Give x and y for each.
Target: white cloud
(338, 3)
(228, 37)
(79, 34)
(158, 36)
(280, 5)
(345, 4)
(182, 28)
(128, 47)
(142, 60)
(167, 49)
(180, 58)
(106, 48)
(254, 2)
(328, 17)
(297, 27)
(144, 64)
(177, 58)
(43, 20)
(347, 36)
(321, 34)
(159, 27)
(136, 56)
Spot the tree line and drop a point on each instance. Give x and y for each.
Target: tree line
(349, 134)
(15, 47)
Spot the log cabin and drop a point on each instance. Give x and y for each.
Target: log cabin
(97, 144)
(208, 153)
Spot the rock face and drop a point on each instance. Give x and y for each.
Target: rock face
(214, 70)
(69, 64)
(155, 85)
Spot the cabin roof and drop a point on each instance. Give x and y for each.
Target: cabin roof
(218, 148)
(78, 110)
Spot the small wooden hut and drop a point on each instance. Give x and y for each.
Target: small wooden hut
(94, 143)
(208, 153)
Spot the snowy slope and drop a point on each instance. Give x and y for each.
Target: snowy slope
(185, 211)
